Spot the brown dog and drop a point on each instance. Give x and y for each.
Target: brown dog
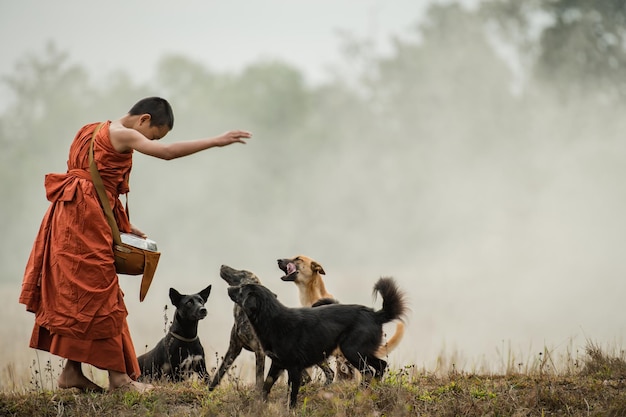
(306, 273)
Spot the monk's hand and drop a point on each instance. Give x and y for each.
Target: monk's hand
(233, 136)
(134, 230)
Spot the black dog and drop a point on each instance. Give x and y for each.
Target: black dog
(242, 335)
(180, 353)
(296, 338)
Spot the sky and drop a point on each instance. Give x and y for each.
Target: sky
(224, 35)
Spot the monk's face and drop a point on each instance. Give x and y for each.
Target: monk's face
(152, 132)
(156, 132)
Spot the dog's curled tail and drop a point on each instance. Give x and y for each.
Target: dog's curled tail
(394, 301)
(394, 308)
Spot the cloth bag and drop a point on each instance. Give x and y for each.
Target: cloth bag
(129, 260)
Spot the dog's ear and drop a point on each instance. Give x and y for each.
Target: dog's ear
(205, 293)
(250, 303)
(175, 297)
(317, 268)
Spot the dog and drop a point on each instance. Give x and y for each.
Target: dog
(242, 335)
(307, 273)
(312, 294)
(179, 353)
(297, 338)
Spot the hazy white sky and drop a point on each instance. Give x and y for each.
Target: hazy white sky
(224, 35)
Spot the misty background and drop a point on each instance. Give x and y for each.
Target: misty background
(478, 158)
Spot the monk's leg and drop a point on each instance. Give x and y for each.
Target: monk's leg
(121, 380)
(72, 377)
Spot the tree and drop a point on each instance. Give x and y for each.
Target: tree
(451, 73)
(580, 49)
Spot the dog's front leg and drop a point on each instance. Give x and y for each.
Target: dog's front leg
(295, 376)
(234, 349)
(260, 368)
(272, 377)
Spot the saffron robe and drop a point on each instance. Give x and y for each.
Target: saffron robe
(70, 282)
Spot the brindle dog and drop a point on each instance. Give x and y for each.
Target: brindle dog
(242, 335)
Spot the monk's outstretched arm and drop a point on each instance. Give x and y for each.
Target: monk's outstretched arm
(132, 139)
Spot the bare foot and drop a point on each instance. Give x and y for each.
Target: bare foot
(71, 377)
(135, 386)
(121, 381)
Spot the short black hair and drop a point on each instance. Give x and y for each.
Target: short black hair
(158, 108)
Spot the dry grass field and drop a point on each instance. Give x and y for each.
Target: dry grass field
(597, 389)
(589, 382)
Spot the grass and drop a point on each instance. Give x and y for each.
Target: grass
(594, 385)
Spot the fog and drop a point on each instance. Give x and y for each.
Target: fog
(225, 35)
(506, 231)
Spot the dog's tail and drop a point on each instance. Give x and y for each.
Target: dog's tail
(394, 301)
(385, 349)
(394, 308)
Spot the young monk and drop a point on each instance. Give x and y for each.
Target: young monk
(70, 281)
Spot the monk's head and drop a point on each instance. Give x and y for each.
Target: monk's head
(156, 117)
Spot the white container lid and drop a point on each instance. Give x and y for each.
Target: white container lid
(138, 242)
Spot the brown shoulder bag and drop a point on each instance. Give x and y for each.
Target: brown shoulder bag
(129, 260)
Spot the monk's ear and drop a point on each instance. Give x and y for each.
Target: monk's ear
(175, 297)
(317, 268)
(145, 118)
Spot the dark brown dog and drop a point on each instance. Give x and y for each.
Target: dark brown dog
(296, 338)
(242, 335)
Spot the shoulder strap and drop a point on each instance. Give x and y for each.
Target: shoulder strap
(104, 200)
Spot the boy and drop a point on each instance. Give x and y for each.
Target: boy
(70, 282)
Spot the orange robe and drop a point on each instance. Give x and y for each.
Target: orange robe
(70, 281)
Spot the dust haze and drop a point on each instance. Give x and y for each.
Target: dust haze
(504, 224)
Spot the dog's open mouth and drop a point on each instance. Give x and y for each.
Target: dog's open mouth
(290, 270)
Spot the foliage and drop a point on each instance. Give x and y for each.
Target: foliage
(575, 47)
(601, 365)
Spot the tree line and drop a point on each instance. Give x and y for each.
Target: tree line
(446, 100)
